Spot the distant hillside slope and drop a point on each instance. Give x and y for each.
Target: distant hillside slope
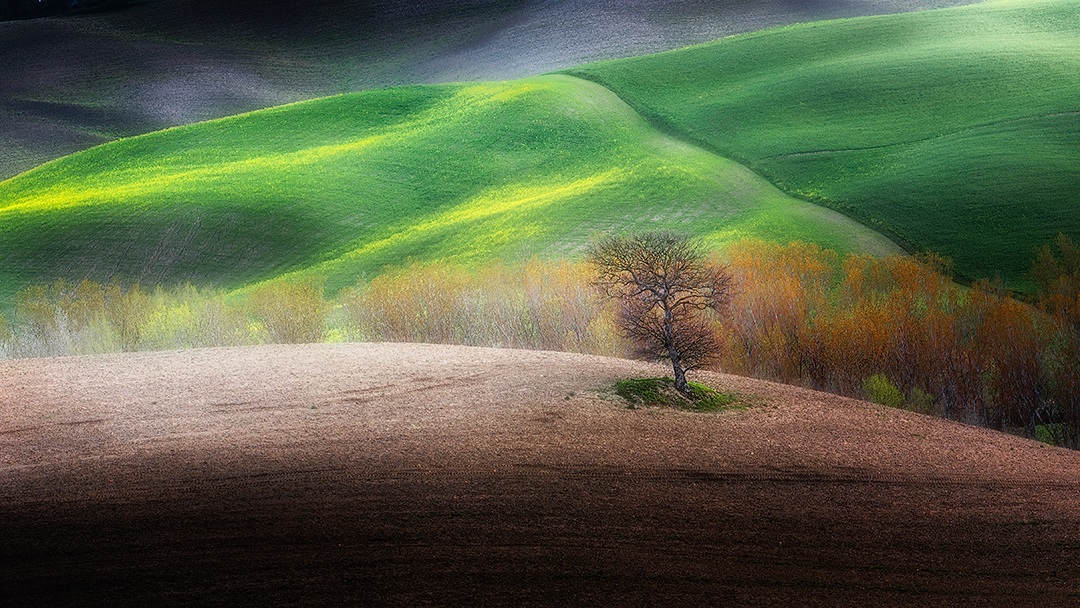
(69, 83)
(345, 185)
(957, 130)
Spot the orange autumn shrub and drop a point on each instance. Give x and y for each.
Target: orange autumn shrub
(978, 355)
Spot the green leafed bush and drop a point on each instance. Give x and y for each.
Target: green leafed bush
(880, 389)
(922, 402)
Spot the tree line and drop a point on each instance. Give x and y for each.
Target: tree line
(899, 330)
(536, 305)
(896, 330)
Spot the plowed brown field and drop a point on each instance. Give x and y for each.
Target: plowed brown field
(392, 474)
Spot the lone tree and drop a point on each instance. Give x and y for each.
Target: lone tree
(664, 286)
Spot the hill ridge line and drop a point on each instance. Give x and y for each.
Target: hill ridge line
(666, 127)
(662, 125)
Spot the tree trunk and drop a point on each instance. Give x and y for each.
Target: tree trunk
(676, 358)
(681, 384)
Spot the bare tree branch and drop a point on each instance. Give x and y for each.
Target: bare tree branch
(664, 285)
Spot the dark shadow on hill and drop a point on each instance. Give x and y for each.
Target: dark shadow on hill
(341, 532)
(36, 9)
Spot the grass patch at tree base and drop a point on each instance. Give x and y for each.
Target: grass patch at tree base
(652, 392)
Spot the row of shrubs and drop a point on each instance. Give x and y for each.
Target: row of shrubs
(899, 331)
(89, 318)
(895, 330)
(537, 305)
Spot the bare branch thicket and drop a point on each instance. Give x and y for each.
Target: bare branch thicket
(291, 312)
(1056, 274)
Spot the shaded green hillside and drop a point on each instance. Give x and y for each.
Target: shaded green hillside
(67, 84)
(957, 130)
(348, 184)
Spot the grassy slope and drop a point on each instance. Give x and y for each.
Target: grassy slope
(75, 82)
(347, 184)
(957, 130)
(69, 83)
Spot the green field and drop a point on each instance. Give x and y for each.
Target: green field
(344, 186)
(955, 130)
(68, 83)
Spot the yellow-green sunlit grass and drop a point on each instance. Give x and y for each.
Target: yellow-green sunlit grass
(345, 186)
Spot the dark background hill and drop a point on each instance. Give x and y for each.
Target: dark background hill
(77, 79)
(36, 9)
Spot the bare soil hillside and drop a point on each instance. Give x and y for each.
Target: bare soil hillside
(391, 474)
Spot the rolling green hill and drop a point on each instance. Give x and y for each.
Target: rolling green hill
(348, 184)
(955, 130)
(69, 83)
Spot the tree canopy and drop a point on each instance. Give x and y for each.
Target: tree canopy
(664, 284)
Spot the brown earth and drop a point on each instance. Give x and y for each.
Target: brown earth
(394, 474)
